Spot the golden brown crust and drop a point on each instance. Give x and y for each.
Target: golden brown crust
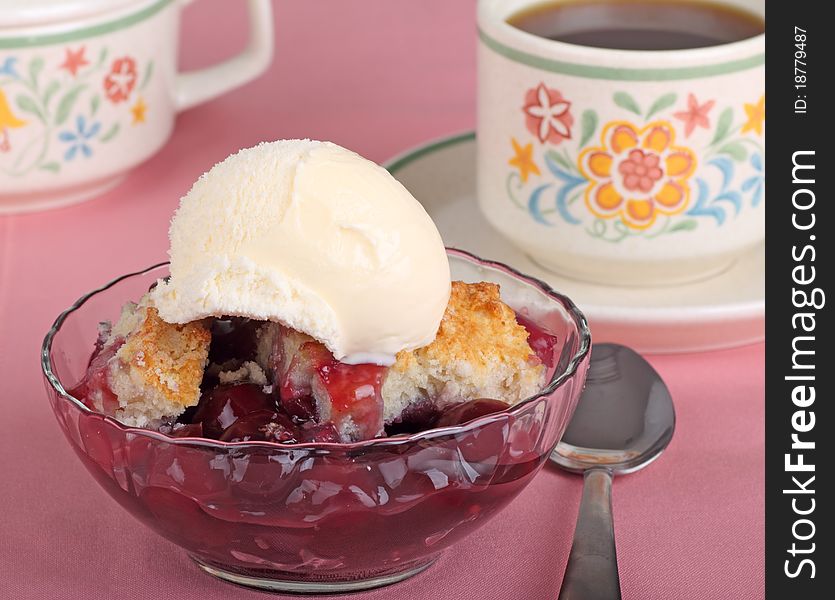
(168, 358)
(480, 351)
(477, 328)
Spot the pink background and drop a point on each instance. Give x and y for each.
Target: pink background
(376, 76)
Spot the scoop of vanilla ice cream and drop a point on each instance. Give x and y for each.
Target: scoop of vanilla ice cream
(314, 236)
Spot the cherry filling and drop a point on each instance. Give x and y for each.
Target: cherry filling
(541, 342)
(324, 432)
(314, 387)
(233, 338)
(94, 389)
(295, 382)
(349, 396)
(185, 430)
(313, 397)
(262, 425)
(220, 407)
(458, 414)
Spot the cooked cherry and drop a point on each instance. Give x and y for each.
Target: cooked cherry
(95, 385)
(221, 406)
(261, 425)
(295, 393)
(325, 432)
(458, 414)
(349, 384)
(416, 417)
(234, 338)
(301, 409)
(540, 341)
(314, 385)
(187, 415)
(351, 393)
(186, 430)
(310, 358)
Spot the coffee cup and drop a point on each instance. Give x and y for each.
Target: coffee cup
(88, 90)
(621, 166)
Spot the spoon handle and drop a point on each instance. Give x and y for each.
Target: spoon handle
(592, 571)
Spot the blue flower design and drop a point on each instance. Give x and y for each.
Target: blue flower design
(78, 139)
(568, 183)
(755, 182)
(714, 207)
(7, 67)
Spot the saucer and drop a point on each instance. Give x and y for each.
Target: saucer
(723, 311)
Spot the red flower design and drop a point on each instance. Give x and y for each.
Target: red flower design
(119, 83)
(74, 60)
(547, 114)
(695, 115)
(640, 170)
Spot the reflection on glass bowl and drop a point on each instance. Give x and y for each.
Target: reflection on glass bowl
(320, 517)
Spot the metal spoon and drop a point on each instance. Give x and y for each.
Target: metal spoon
(624, 419)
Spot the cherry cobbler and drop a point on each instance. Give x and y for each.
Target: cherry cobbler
(237, 379)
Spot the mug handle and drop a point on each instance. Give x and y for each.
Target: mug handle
(195, 87)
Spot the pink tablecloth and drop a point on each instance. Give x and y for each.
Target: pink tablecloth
(376, 76)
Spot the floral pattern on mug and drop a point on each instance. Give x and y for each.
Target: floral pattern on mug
(62, 98)
(637, 181)
(523, 160)
(696, 114)
(74, 60)
(79, 137)
(8, 120)
(119, 82)
(637, 173)
(548, 114)
(756, 116)
(138, 111)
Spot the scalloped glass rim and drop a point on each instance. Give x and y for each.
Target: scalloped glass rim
(556, 380)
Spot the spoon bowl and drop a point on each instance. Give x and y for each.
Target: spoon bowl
(625, 417)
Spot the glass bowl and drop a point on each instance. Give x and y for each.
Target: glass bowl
(320, 517)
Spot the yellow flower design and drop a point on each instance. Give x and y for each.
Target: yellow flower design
(523, 160)
(637, 173)
(138, 111)
(7, 121)
(756, 116)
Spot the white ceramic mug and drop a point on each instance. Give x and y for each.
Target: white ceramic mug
(619, 166)
(90, 89)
